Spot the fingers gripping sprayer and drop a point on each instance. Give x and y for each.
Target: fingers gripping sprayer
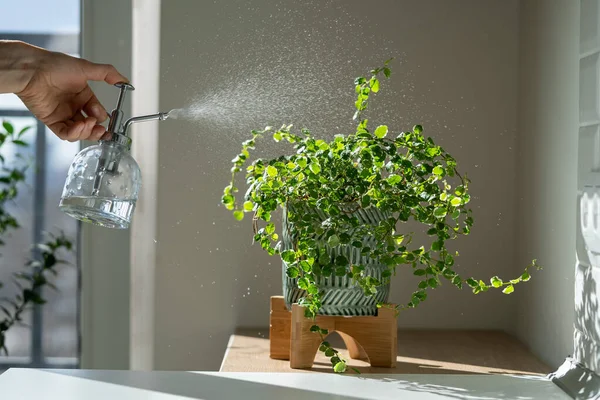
(104, 180)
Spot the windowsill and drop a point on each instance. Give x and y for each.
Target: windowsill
(419, 352)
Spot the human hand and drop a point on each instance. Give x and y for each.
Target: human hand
(58, 94)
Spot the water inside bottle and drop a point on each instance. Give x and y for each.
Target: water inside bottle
(103, 211)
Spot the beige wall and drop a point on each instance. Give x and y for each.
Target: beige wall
(458, 77)
(547, 165)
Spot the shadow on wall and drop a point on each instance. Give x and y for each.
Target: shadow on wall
(587, 316)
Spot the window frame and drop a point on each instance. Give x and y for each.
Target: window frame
(69, 44)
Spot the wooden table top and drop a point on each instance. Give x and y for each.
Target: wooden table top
(419, 352)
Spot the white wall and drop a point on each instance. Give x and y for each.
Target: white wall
(547, 174)
(587, 281)
(146, 75)
(106, 38)
(458, 77)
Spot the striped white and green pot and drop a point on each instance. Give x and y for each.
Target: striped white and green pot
(340, 296)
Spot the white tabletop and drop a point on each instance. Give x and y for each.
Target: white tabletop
(31, 384)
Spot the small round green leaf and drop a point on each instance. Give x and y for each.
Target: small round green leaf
(270, 229)
(496, 282)
(456, 201)
(292, 272)
(341, 261)
(365, 201)
(439, 212)
(333, 240)
(509, 289)
(288, 256)
(340, 367)
(374, 83)
(272, 171)
(381, 131)
(472, 283)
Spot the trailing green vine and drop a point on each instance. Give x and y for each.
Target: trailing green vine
(405, 175)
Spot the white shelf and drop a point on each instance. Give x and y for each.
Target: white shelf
(30, 384)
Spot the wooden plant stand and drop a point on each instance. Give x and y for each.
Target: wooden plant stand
(372, 338)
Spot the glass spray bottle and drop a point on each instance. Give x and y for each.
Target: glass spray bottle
(104, 180)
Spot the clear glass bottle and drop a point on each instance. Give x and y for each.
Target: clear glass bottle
(102, 185)
(104, 180)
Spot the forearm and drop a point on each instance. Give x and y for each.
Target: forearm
(18, 62)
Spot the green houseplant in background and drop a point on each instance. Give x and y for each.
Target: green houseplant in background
(345, 203)
(44, 260)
